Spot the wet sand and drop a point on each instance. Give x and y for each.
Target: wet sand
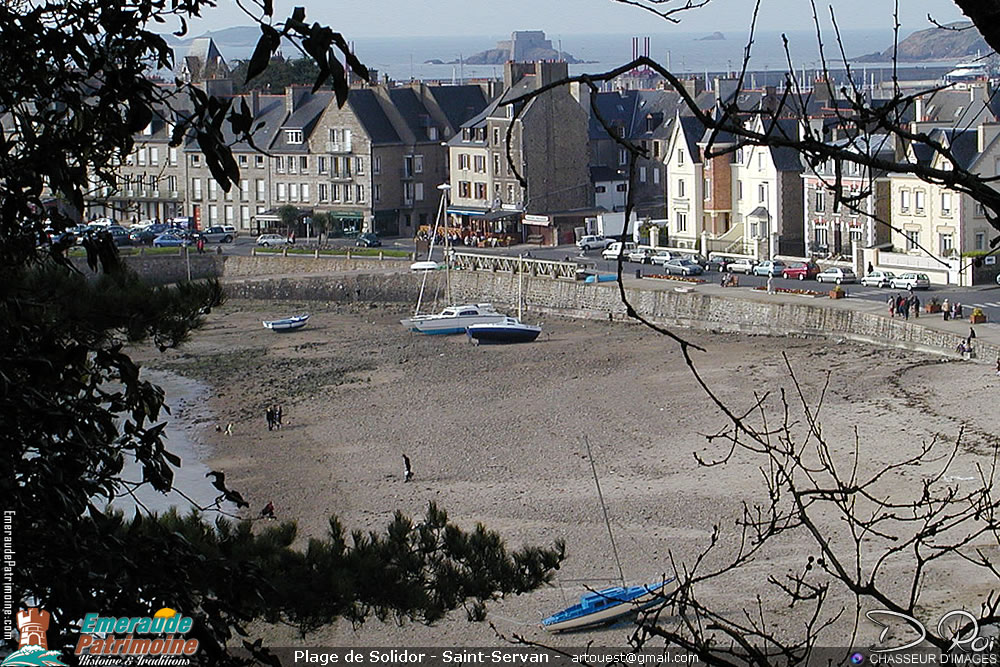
(496, 433)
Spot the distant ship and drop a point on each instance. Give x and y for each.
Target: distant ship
(969, 71)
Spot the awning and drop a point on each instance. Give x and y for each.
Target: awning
(496, 215)
(466, 211)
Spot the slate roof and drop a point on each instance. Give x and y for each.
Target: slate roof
(599, 174)
(692, 130)
(369, 113)
(459, 103)
(311, 107)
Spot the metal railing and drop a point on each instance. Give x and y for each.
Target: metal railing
(535, 267)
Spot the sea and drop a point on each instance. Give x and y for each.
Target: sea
(406, 58)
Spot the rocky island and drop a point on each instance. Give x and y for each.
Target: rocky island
(523, 46)
(714, 37)
(954, 43)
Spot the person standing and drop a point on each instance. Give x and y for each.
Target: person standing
(870, 268)
(270, 419)
(946, 310)
(277, 417)
(915, 304)
(407, 469)
(892, 306)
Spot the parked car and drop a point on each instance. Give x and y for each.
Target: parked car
(368, 240)
(770, 268)
(801, 271)
(662, 257)
(593, 241)
(720, 261)
(740, 265)
(613, 250)
(836, 275)
(878, 278)
(118, 234)
(683, 266)
(642, 255)
(216, 235)
(230, 229)
(267, 240)
(169, 241)
(911, 281)
(146, 235)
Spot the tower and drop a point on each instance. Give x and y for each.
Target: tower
(33, 624)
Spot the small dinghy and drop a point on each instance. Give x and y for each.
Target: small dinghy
(507, 330)
(287, 324)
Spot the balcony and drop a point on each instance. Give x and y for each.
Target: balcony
(338, 147)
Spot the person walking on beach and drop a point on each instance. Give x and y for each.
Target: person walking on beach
(268, 511)
(407, 469)
(270, 419)
(277, 417)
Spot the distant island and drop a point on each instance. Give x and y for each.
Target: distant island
(959, 42)
(714, 37)
(523, 46)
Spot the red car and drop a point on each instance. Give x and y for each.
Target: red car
(801, 271)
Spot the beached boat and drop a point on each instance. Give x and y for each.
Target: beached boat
(453, 319)
(606, 606)
(287, 323)
(507, 330)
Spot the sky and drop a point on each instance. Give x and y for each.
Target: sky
(392, 18)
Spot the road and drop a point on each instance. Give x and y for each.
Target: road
(986, 297)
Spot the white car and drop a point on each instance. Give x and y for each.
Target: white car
(911, 281)
(642, 255)
(593, 241)
(878, 278)
(741, 265)
(662, 257)
(267, 240)
(612, 251)
(836, 275)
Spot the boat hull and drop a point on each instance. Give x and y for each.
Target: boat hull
(624, 602)
(507, 331)
(452, 320)
(286, 324)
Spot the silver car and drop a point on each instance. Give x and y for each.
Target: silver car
(836, 275)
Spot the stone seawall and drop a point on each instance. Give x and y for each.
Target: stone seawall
(340, 279)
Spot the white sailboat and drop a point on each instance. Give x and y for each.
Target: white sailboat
(453, 319)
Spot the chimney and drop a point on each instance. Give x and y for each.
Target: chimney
(293, 98)
(986, 132)
(254, 101)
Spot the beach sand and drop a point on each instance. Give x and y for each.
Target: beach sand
(496, 435)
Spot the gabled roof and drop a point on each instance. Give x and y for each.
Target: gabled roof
(785, 158)
(305, 116)
(459, 103)
(692, 130)
(369, 113)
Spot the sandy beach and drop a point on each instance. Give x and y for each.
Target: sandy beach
(496, 434)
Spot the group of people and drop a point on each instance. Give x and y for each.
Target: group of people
(951, 311)
(273, 417)
(731, 280)
(902, 305)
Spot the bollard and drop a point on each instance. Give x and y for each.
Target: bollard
(638, 273)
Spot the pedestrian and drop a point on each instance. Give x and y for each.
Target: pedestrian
(972, 334)
(956, 311)
(277, 417)
(905, 305)
(268, 511)
(770, 285)
(915, 303)
(870, 268)
(892, 306)
(407, 469)
(201, 245)
(270, 419)
(945, 310)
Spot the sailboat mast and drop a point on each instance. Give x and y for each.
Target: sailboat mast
(430, 251)
(520, 282)
(604, 507)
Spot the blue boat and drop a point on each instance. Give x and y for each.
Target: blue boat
(287, 324)
(606, 606)
(508, 330)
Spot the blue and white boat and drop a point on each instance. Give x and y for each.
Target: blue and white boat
(606, 606)
(453, 319)
(287, 323)
(508, 330)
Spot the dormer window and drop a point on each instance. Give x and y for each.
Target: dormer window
(293, 136)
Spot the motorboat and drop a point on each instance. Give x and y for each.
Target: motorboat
(968, 71)
(453, 319)
(508, 330)
(606, 606)
(287, 323)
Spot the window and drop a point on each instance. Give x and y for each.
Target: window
(244, 217)
(621, 187)
(510, 193)
(303, 164)
(418, 191)
(261, 191)
(820, 201)
(682, 222)
(377, 192)
(912, 240)
(213, 215)
(293, 136)
(762, 193)
(945, 244)
(335, 167)
(980, 241)
(291, 164)
(359, 166)
(377, 164)
(361, 193)
(154, 156)
(463, 160)
(196, 160)
(196, 188)
(822, 237)
(258, 161)
(281, 192)
(230, 215)
(600, 189)
(904, 200)
(335, 191)
(464, 189)
(418, 164)
(680, 156)
(918, 200)
(213, 189)
(305, 193)
(173, 156)
(323, 191)
(480, 162)
(496, 163)
(680, 188)
(348, 194)
(739, 190)
(293, 192)
(622, 156)
(321, 165)
(279, 164)
(432, 133)
(656, 149)
(760, 160)
(172, 183)
(496, 136)
(656, 175)
(480, 190)
(946, 203)
(244, 161)
(642, 174)
(244, 190)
